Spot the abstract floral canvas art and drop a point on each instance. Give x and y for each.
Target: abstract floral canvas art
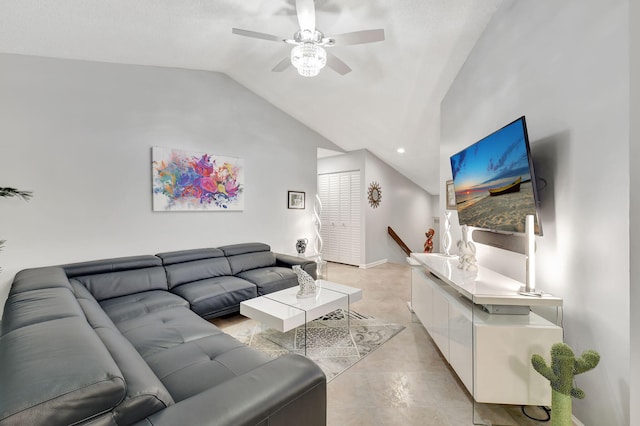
(190, 181)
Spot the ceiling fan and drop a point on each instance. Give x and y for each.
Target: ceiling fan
(309, 55)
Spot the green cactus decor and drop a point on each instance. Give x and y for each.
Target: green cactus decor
(564, 366)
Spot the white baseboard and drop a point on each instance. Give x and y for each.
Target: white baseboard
(409, 306)
(575, 421)
(372, 264)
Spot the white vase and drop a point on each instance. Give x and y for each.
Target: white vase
(446, 237)
(301, 246)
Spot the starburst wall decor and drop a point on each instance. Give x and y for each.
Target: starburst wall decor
(374, 194)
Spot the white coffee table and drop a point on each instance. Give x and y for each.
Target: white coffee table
(283, 311)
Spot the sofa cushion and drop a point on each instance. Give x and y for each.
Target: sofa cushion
(216, 296)
(246, 262)
(110, 278)
(145, 394)
(104, 266)
(186, 272)
(56, 372)
(187, 353)
(122, 283)
(180, 256)
(243, 257)
(136, 305)
(36, 306)
(236, 249)
(197, 365)
(309, 265)
(288, 390)
(95, 315)
(160, 330)
(270, 279)
(39, 278)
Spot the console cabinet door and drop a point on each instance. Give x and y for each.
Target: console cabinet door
(461, 342)
(422, 297)
(440, 328)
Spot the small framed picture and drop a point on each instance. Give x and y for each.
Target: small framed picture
(451, 196)
(295, 200)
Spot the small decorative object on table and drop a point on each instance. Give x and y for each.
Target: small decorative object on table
(301, 245)
(428, 245)
(307, 283)
(467, 260)
(564, 366)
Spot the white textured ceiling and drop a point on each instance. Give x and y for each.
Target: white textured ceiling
(390, 99)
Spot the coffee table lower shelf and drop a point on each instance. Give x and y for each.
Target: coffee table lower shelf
(283, 311)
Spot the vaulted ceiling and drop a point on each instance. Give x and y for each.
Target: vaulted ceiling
(391, 99)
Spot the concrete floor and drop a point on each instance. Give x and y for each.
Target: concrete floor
(406, 381)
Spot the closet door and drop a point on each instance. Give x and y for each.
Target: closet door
(341, 203)
(350, 205)
(328, 215)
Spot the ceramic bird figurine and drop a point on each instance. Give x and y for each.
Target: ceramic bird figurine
(467, 260)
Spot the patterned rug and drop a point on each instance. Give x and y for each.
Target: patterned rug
(328, 342)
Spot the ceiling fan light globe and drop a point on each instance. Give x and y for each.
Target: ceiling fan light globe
(309, 59)
(308, 36)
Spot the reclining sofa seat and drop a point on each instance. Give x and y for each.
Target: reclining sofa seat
(203, 277)
(215, 280)
(107, 342)
(255, 262)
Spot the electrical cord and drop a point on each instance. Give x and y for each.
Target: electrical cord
(545, 409)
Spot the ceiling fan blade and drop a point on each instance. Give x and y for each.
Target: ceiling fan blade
(359, 37)
(306, 11)
(254, 34)
(282, 65)
(337, 65)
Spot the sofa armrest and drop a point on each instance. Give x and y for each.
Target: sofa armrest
(287, 261)
(286, 391)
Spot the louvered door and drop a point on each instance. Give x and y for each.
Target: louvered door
(341, 215)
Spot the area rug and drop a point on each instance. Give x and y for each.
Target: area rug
(328, 342)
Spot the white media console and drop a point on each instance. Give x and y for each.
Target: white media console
(484, 328)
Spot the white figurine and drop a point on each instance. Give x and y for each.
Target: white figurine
(306, 281)
(467, 260)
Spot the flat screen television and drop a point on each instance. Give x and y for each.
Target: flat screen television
(494, 181)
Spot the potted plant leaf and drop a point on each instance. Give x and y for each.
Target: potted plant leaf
(13, 192)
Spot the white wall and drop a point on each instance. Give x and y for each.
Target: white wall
(634, 255)
(79, 135)
(565, 65)
(406, 207)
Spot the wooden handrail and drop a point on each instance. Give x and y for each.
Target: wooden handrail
(405, 248)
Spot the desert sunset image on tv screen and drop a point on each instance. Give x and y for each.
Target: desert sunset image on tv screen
(493, 183)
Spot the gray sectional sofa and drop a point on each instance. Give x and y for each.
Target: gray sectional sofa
(123, 341)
